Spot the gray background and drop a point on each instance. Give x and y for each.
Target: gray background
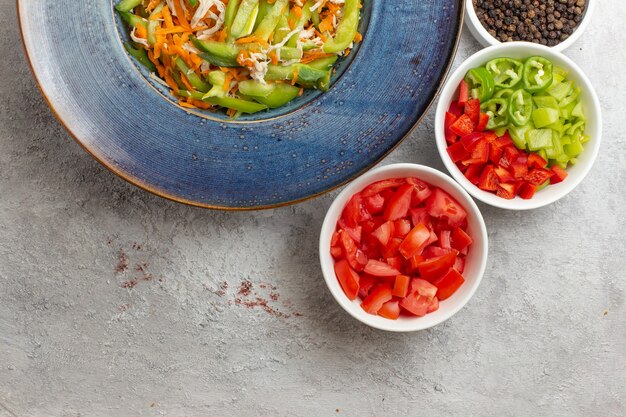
(545, 333)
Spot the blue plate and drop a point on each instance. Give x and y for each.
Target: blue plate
(131, 125)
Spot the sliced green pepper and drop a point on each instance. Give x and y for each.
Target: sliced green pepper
(520, 107)
(539, 139)
(537, 74)
(518, 134)
(561, 90)
(496, 109)
(133, 20)
(229, 14)
(307, 75)
(506, 93)
(255, 89)
(347, 28)
(506, 72)
(480, 83)
(140, 55)
(545, 117)
(323, 64)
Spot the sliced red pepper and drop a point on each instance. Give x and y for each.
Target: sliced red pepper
(472, 110)
(510, 154)
(507, 191)
(456, 108)
(448, 284)
(471, 140)
(519, 167)
(473, 173)
(559, 174)
(503, 174)
(457, 152)
(536, 161)
(538, 176)
(479, 154)
(462, 126)
(463, 92)
(483, 119)
(398, 205)
(488, 179)
(450, 118)
(527, 191)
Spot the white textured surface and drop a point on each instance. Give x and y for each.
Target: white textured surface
(545, 333)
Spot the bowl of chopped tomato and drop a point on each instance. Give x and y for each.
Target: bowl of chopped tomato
(403, 248)
(518, 125)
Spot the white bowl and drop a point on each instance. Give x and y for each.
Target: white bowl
(476, 259)
(485, 39)
(591, 106)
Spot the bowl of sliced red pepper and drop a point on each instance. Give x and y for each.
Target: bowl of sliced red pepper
(518, 125)
(403, 248)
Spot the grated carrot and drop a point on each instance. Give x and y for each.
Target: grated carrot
(326, 25)
(170, 81)
(274, 57)
(180, 14)
(183, 103)
(295, 76)
(297, 11)
(141, 31)
(227, 81)
(183, 79)
(312, 56)
(167, 17)
(252, 39)
(200, 104)
(172, 30)
(358, 37)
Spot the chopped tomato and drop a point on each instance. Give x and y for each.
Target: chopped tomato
(401, 227)
(434, 305)
(348, 279)
(448, 284)
(559, 174)
(336, 252)
(401, 285)
(399, 204)
(460, 240)
(374, 204)
(441, 205)
(383, 233)
(416, 304)
(381, 186)
(391, 249)
(390, 310)
(376, 298)
(423, 287)
(392, 239)
(415, 241)
(435, 268)
(380, 269)
(350, 251)
(366, 283)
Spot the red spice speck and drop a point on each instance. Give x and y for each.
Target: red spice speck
(129, 284)
(274, 296)
(245, 288)
(137, 246)
(262, 303)
(122, 262)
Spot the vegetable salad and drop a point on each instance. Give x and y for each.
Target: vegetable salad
(241, 55)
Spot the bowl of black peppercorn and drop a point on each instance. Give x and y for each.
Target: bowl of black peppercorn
(554, 23)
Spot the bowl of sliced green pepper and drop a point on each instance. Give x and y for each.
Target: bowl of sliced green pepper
(540, 99)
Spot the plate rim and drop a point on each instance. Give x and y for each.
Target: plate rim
(153, 190)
